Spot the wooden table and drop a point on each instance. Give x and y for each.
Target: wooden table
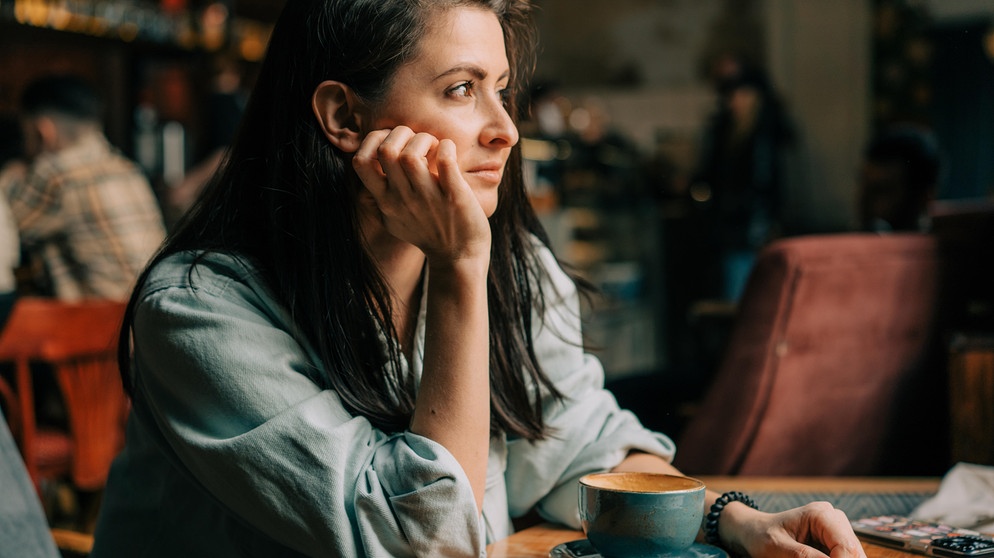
(537, 541)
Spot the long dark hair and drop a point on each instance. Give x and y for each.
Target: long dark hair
(283, 200)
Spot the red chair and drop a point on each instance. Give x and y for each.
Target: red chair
(828, 367)
(77, 342)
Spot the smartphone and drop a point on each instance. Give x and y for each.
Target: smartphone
(923, 537)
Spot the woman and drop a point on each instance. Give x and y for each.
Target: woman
(358, 342)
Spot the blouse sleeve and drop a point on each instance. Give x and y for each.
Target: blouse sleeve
(226, 384)
(589, 432)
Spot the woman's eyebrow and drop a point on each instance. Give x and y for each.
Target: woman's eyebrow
(472, 69)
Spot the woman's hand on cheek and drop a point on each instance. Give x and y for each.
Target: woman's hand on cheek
(421, 194)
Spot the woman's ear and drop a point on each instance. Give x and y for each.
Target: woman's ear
(337, 110)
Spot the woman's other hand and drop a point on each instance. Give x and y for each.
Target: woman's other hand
(813, 530)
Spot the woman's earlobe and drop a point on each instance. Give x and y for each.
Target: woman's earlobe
(335, 107)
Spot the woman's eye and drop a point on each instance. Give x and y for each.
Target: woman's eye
(464, 89)
(505, 96)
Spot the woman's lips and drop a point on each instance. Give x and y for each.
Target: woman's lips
(487, 173)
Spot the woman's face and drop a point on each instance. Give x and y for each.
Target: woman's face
(455, 89)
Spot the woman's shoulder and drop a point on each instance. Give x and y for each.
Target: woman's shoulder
(550, 270)
(202, 271)
(542, 252)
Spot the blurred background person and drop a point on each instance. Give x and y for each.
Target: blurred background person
(739, 172)
(11, 150)
(898, 178)
(81, 207)
(224, 107)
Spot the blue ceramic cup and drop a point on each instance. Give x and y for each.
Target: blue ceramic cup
(640, 515)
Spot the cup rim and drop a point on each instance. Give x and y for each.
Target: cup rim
(584, 482)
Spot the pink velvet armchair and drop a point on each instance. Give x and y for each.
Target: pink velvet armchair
(829, 368)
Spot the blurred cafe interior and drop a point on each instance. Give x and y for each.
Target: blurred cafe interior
(828, 345)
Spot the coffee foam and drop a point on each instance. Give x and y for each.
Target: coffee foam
(641, 482)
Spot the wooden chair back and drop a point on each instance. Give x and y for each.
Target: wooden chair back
(77, 342)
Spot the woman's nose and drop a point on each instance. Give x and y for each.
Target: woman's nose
(500, 130)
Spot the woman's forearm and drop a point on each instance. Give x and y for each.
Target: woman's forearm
(453, 404)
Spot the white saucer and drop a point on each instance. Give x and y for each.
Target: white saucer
(582, 549)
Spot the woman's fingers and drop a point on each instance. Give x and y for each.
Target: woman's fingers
(399, 159)
(823, 527)
(420, 194)
(449, 174)
(837, 536)
(388, 153)
(366, 163)
(416, 162)
(815, 530)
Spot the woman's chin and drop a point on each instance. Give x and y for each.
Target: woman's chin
(488, 201)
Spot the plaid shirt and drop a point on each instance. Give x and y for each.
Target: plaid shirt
(89, 213)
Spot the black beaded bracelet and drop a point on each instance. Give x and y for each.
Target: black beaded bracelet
(711, 525)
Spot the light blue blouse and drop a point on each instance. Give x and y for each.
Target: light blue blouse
(232, 450)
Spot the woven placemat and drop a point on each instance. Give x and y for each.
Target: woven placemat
(854, 504)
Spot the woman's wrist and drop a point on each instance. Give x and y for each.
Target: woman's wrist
(732, 524)
(461, 268)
